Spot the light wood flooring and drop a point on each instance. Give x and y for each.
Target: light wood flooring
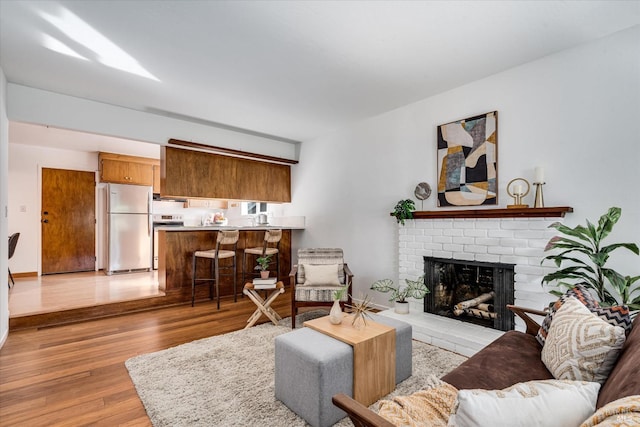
(56, 292)
(74, 375)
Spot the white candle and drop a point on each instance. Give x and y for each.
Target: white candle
(518, 189)
(539, 175)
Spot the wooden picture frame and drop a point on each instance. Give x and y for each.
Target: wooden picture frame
(467, 161)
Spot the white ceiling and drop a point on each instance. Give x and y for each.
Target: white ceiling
(292, 69)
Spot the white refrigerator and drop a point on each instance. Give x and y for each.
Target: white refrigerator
(129, 228)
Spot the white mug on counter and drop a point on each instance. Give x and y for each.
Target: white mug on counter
(261, 219)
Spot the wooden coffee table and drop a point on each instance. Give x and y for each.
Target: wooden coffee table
(374, 355)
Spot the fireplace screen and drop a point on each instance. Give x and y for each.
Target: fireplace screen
(475, 292)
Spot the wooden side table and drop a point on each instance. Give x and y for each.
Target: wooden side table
(374, 355)
(263, 305)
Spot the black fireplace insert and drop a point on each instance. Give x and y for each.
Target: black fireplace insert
(470, 291)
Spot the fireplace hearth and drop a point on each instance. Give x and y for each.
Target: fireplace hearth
(470, 291)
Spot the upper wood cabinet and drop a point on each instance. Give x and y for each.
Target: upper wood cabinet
(121, 169)
(263, 181)
(188, 173)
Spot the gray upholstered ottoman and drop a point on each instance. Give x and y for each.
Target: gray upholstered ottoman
(310, 368)
(404, 345)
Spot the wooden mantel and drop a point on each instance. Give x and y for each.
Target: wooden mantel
(495, 213)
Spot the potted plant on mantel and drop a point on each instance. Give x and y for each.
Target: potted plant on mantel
(582, 248)
(404, 210)
(414, 289)
(263, 266)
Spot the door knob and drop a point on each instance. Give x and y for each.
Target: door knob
(45, 221)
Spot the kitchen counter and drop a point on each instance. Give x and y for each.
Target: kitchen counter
(226, 227)
(176, 245)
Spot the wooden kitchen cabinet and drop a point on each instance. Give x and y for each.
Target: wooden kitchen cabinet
(263, 181)
(189, 173)
(122, 169)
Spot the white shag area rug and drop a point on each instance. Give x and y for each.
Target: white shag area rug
(228, 380)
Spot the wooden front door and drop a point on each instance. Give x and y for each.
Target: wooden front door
(68, 221)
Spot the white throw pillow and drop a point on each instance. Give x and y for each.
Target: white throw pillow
(580, 345)
(534, 403)
(321, 275)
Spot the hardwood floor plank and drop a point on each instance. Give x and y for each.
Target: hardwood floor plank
(74, 374)
(60, 417)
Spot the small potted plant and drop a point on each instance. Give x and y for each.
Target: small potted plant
(263, 266)
(414, 289)
(335, 314)
(403, 210)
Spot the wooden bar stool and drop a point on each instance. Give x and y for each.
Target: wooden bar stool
(224, 238)
(271, 237)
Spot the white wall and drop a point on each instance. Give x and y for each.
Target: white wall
(31, 105)
(574, 113)
(4, 177)
(25, 196)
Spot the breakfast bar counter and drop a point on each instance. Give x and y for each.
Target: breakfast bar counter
(176, 245)
(224, 227)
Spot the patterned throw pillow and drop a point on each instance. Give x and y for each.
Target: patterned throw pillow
(580, 345)
(532, 403)
(617, 315)
(623, 412)
(580, 293)
(428, 407)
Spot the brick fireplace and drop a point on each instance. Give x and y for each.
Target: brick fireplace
(507, 236)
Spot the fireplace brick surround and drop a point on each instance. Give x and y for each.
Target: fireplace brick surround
(509, 240)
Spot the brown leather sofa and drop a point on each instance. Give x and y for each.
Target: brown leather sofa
(516, 357)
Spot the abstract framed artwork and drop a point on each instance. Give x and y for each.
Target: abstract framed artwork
(467, 161)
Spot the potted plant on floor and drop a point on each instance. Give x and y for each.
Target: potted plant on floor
(583, 250)
(263, 266)
(414, 289)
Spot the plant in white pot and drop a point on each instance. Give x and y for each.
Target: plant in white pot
(335, 314)
(414, 289)
(263, 266)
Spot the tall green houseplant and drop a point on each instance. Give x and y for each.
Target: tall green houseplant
(582, 257)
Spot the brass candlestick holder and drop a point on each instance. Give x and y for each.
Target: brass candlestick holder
(517, 192)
